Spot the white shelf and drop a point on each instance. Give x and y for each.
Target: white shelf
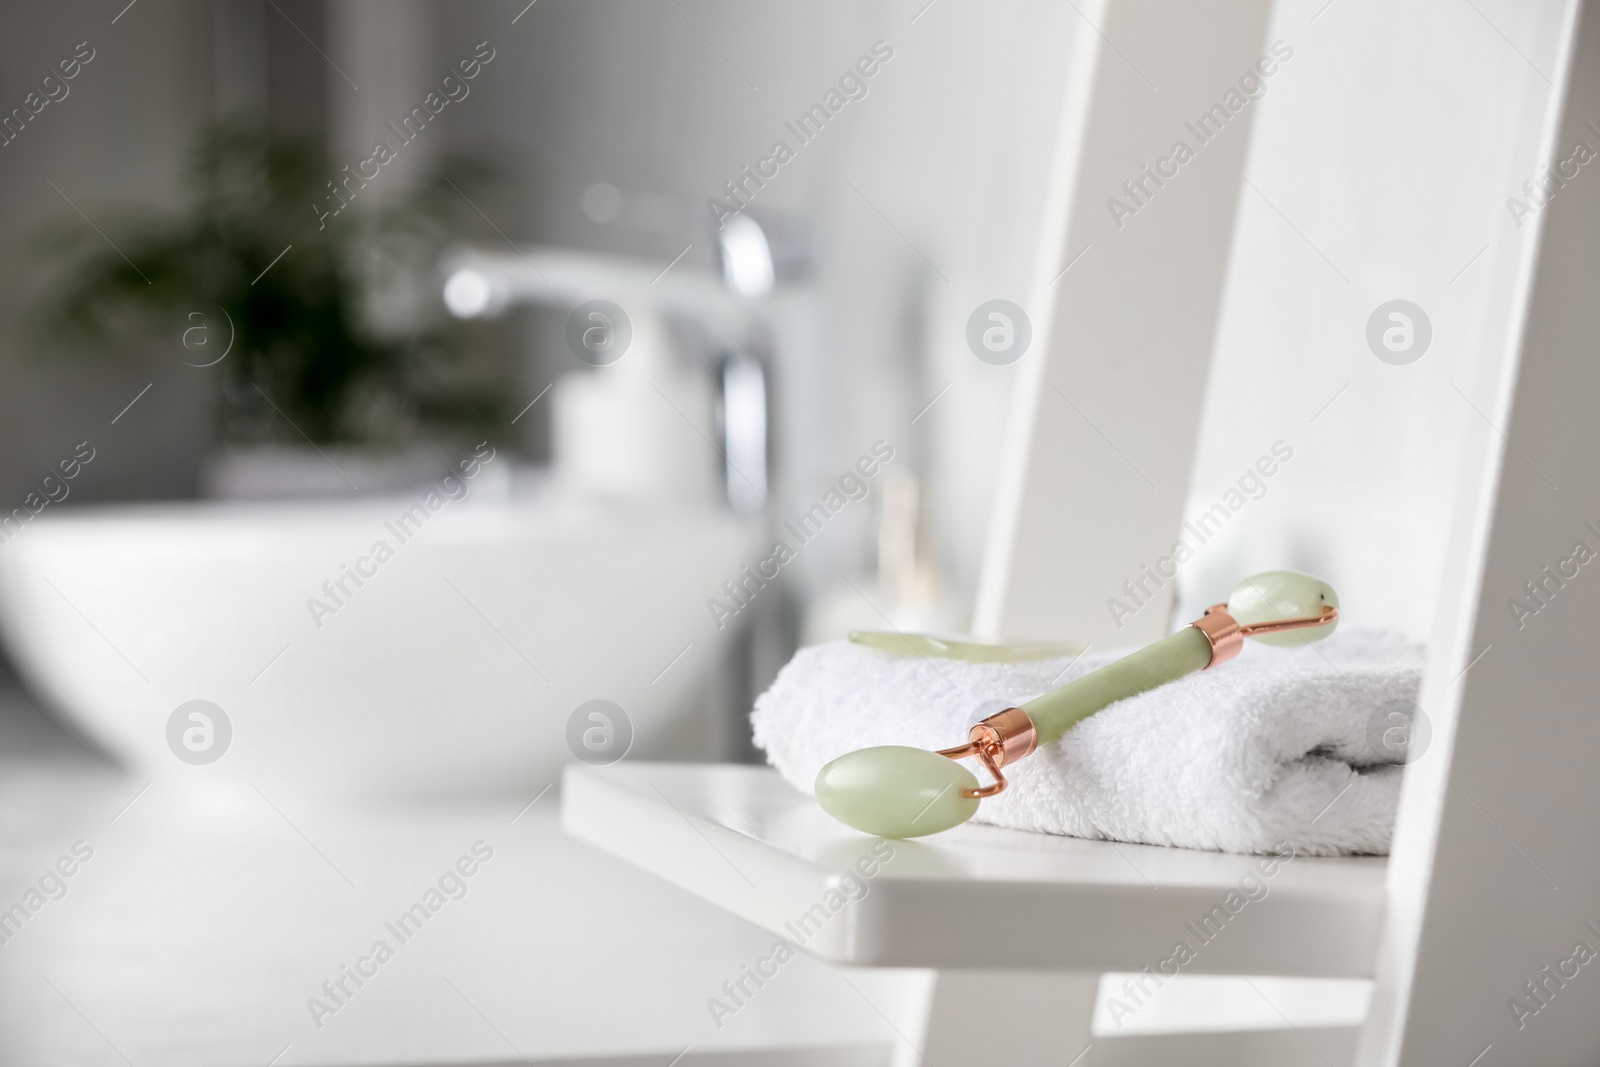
(977, 896)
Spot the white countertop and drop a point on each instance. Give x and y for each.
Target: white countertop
(201, 925)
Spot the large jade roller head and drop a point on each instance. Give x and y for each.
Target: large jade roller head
(897, 791)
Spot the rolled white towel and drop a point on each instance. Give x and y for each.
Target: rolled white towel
(1297, 745)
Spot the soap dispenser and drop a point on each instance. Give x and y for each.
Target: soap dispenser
(638, 430)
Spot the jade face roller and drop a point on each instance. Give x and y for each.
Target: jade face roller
(896, 791)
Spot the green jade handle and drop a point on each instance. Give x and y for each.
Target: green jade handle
(1167, 660)
(898, 791)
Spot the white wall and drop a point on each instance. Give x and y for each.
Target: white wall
(120, 136)
(1386, 143)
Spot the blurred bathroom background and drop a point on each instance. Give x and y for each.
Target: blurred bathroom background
(608, 129)
(616, 124)
(257, 422)
(435, 340)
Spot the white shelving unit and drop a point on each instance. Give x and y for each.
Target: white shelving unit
(1494, 870)
(977, 897)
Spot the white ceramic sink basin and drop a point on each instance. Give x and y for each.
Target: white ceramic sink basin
(454, 666)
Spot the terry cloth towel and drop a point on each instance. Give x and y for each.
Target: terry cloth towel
(1296, 745)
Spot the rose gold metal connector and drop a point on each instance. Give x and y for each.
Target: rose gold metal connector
(1002, 738)
(1227, 636)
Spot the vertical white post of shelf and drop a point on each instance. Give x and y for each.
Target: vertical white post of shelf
(1489, 957)
(1103, 425)
(1097, 459)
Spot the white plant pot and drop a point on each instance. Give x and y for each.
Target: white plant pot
(279, 472)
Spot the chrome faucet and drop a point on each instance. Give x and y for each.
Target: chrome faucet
(754, 255)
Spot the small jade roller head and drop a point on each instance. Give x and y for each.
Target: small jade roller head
(1274, 596)
(897, 791)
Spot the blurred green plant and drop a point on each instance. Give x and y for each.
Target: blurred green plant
(341, 337)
